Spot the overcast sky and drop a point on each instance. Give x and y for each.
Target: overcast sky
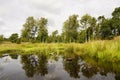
(13, 13)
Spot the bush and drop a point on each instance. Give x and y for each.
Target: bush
(1, 38)
(18, 41)
(13, 38)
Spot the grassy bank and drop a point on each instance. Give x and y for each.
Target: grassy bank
(107, 50)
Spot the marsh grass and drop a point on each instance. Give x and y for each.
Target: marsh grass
(106, 50)
(103, 50)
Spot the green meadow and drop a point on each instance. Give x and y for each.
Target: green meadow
(105, 50)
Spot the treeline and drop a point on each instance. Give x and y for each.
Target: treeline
(74, 30)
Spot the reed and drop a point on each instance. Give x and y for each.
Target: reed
(105, 50)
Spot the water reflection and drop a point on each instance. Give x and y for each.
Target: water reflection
(109, 68)
(14, 56)
(89, 71)
(56, 67)
(42, 67)
(27, 66)
(34, 65)
(72, 66)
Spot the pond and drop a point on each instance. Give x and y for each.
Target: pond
(56, 67)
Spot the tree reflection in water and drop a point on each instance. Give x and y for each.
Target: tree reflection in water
(14, 56)
(30, 66)
(71, 66)
(106, 67)
(74, 66)
(42, 68)
(27, 66)
(88, 70)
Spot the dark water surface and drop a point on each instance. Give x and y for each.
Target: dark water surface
(42, 67)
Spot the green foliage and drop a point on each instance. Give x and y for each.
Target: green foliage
(42, 30)
(106, 32)
(86, 29)
(81, 37)
(1, 38)
(14, 38)
(33, 27)
(116, 13)
(28, 30)
(88, 24)
(116, 20)
(89, 28)
(18, 41)
(70, 29)
(54, 36)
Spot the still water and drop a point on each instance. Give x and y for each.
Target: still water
(56, 67)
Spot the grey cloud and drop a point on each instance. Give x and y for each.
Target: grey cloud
(14, 12)
(51, 22)
(49, 9)
(2, 23)
(50, 6)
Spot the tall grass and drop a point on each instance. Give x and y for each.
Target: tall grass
(107, 50)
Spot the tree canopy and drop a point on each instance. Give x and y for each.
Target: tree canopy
(74, 29)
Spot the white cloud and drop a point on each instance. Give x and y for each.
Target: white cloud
(14, 12)
(1, 22)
